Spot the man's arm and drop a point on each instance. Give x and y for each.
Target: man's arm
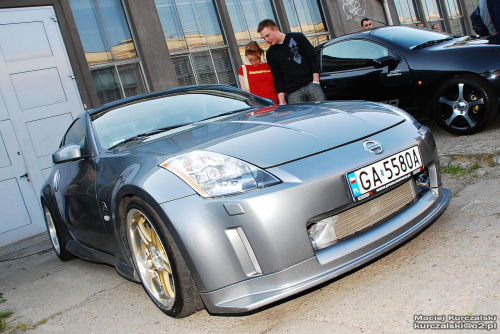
(309, 54)
(277, 78)
(281, 98)
(316, 77)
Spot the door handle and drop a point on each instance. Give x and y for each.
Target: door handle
(26, 176)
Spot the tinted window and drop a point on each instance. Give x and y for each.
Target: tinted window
(350, 55)
(76, 134)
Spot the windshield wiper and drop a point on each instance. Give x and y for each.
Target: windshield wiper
(227, 113)
(146, 134)
(430, 43)
(159, 130)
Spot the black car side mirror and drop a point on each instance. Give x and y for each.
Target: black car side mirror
(389, 61)
(67, 153)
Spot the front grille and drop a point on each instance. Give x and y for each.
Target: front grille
(375, 211)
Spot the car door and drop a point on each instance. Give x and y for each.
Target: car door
(76, 194)
(348, 72)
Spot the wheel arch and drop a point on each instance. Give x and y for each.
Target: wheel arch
(120, 213)
(435, 85)
(186, 299)
(47, 198)
(64, 237)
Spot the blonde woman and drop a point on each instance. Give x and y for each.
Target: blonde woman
(257, 78)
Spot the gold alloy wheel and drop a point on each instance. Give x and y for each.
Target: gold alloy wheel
(150, 258)
(52, 229)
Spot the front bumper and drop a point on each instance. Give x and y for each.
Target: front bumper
(251, 249)
(330, 262)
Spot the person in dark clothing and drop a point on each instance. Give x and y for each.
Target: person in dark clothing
(485, 18)
(294, 64)
(494, 14)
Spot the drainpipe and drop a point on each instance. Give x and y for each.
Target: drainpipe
(387, 12)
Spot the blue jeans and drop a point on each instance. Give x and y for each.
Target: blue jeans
(309, 93)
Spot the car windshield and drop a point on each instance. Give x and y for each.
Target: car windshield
(162, 113)
(409, 37)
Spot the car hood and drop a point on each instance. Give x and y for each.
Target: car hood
(472, 42)
(464, 42)
(274, 135)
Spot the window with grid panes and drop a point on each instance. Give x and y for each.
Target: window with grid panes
(456, 17)
(407, 11)
(433, 13)
(245, 16)
(109, 48)
(194, 38)
(305, 16)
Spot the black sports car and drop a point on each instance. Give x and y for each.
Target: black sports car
(454, 80)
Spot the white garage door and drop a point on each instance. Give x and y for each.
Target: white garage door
(38, 100)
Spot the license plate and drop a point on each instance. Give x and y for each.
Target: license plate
(385, 173)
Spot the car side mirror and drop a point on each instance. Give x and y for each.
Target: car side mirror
(387, 61)
(67, 153)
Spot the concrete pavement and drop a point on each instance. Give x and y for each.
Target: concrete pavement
(452, 268)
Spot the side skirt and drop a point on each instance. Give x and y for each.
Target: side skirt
(90, 254)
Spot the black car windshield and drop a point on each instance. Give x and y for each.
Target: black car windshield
(409, 37)
(146, 116)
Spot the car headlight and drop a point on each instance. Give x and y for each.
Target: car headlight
(213, 174)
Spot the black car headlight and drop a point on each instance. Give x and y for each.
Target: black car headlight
(212, 174)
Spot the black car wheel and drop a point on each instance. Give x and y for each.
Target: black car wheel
(57, 236)
(464, 105)
(159, 263)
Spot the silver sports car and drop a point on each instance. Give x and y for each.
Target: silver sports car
(214, 198)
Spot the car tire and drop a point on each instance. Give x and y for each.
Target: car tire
(464, 105)
(161, 268)
(58, 236)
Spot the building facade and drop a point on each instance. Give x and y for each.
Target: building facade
(60, 57)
